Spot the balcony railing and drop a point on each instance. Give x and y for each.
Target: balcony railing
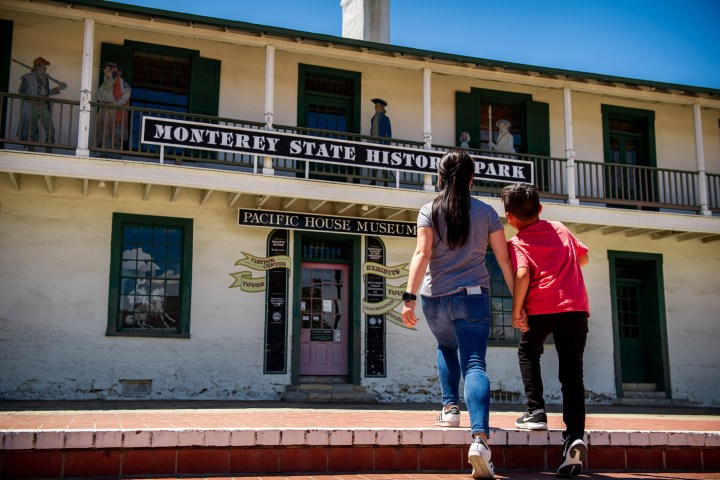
(115, 133)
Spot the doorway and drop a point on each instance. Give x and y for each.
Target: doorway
(326, 308)
(639, 329)
(324, 319)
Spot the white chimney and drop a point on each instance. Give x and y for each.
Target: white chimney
(366, 20)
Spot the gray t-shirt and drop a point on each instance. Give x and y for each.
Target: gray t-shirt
(450, 270)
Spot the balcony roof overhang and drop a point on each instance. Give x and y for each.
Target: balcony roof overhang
(165, 182)
(231, 31)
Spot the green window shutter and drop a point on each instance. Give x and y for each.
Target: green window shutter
(467, 117)
(120, 54)
(204, 86)
(538, 128)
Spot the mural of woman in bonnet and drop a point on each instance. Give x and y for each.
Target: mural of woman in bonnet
(111, 126)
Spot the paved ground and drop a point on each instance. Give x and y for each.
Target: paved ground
(458, 476)
(221, 414)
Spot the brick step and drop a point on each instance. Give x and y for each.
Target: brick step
(266, 460)
(327, 389)
(218, 451)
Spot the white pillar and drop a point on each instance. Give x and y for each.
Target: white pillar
(427, 121)
(700, 160)
(569, 149)
(85, 90)
(269, 100)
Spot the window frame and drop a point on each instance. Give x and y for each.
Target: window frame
(116, 249)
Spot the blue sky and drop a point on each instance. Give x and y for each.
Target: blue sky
(658, 40)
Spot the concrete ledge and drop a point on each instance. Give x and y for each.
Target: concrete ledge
(302, 437)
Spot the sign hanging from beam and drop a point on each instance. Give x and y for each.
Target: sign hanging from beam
(220, 138)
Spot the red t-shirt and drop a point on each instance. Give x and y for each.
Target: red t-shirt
(550, 253)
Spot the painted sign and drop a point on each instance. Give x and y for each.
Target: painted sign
(276, 301)
(374, 323)
(221, 138)
(325, 223)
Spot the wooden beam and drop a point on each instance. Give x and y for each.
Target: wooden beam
(146, 190)
(175, 193)
(49, 183)
(584, 228)
(313, 205)
(663, 234)
(233, 198)
(393, 215)
(611, 230)
(711, 238)
(15, 180)
(288, 202)
(205, 196)
(690, 235)
(86, 183)
(369, 210)
(261, 199)
(116, 189)
(340, 210)
(634, 232)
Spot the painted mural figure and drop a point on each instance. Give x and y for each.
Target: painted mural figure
(448, 270)
(465, 140)
(505, 142)
(549, 296)
(111, 125)
(36, 113)
(380, 122)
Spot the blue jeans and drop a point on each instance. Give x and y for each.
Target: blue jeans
(461, 325)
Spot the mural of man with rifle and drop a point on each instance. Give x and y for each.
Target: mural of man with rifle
(38, 111)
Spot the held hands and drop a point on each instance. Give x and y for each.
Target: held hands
(62, 86)
(408, 314)
(521, 322)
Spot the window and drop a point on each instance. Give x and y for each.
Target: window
(501, 329)
(150, 274)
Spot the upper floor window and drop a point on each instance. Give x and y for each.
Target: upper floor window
(150, 273)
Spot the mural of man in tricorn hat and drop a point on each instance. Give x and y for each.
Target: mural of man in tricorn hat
(380, 122)
(37, 112)
(111, 125)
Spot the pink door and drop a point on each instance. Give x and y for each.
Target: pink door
(324, 319)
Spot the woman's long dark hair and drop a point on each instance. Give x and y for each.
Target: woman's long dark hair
(453, 203)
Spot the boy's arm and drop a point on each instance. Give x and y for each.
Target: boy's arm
(584, 260)
(500, 249)
(520, 288)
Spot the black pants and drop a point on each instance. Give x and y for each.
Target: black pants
(570, 331)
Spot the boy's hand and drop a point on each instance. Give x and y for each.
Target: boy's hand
(520, 322)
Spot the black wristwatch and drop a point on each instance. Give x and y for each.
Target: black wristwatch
(408, 297)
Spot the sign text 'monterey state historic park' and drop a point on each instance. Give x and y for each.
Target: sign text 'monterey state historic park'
(203, 136)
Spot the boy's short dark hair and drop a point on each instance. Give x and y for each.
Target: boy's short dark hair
(522, 200)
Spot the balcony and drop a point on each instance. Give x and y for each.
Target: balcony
(597, 184)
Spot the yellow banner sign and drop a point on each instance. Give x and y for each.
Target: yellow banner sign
(396, 271)
(260, 263)
(247, 283)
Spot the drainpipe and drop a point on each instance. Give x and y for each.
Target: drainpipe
(427, 122)
(700, 160)
(269, 101)
(569, 149)
(85, 90)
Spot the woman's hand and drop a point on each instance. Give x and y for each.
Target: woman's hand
(408, 314)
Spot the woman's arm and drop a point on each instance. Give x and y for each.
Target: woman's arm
(418, 265)
(502, 255)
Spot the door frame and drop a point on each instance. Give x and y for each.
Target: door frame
(657, 259)
(354, 305)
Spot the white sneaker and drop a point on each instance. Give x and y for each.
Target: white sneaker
(479, 458)
(449, 418)
(574, 454)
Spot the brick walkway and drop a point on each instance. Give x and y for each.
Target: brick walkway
(76, 439)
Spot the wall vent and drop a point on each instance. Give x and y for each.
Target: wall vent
(136, 388)
(503, 396)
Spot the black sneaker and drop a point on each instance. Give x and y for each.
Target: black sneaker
(574, 454)
(535, 420)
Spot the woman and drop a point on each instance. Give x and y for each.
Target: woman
(454, 231)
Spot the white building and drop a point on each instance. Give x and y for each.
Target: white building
(246, 270)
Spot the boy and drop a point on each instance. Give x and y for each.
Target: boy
(549, 285)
